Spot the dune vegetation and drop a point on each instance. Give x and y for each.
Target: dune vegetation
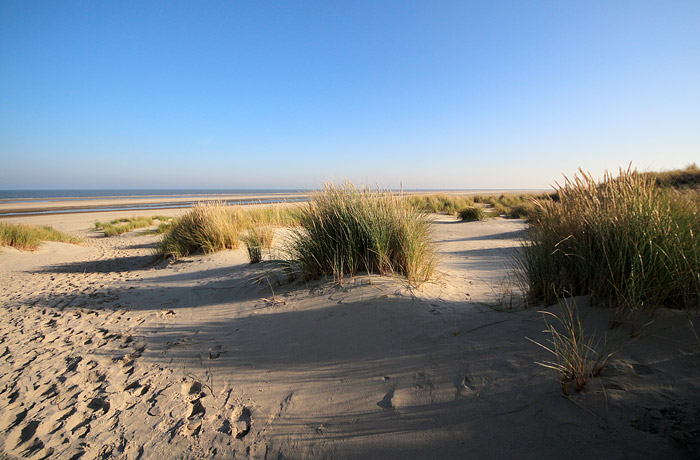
(214, 226)
(122, 225)
(29, 237)
(344, 230)
(624, 241)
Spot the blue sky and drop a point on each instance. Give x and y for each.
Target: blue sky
(434, 94)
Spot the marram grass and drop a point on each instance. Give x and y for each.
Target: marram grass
(122, 225)
(622, 241)
(344, 230)
(207, 228)
(214, 226)
(29, 237)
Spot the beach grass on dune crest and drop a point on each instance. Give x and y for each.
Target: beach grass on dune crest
(29, 237)
(623, 241)
(344, 230)
(207, 228)
(214, 226)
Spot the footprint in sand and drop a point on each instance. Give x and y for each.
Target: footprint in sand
(241, 420)
(194, 420)
(385, 403)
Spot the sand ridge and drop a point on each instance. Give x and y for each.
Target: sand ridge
(107, 354)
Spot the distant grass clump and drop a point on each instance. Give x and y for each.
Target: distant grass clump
(622, 241)
(345, 230)
(440, 203)
(472, 213)
(29, 237)
(122, 225)
(207, 228)
(688, 177)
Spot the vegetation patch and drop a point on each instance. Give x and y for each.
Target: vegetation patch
(344, 230)
(121, 225)
(449, 204)
(29, 237)
(472, 213)
(623, 241)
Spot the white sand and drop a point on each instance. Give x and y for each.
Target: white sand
(105, 355)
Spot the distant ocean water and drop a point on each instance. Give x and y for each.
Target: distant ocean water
(49, 195)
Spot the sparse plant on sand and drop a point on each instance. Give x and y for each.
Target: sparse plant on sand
(344, 230)
(29, 237)
(577, 356)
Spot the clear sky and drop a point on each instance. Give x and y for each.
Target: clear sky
(258, 94)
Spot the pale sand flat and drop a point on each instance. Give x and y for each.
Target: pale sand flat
(107, 355)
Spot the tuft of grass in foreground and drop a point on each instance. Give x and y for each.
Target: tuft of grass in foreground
(472, 213)
(207, 228)
(121, 225)
(577, 355)
(29, 237)
(622, 241)
(345, 230)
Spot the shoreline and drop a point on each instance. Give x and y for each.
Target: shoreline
(13, 208)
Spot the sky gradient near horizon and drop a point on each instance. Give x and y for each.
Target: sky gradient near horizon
(433, 94)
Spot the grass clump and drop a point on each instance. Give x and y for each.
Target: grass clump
(344, 230)
(207, 228)
(29, 237)
(122, 225)
(622, 241)
(440, 203)
(577, 356)
(472, 213)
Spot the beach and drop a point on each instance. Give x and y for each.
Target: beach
(108, 353)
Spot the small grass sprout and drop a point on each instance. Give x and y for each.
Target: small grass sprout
(577, 356)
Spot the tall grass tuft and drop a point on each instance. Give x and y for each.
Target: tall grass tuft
(29, 237)
(207, 228)
(344, 230)
(622, 241)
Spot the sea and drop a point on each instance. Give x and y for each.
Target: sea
(33, 199)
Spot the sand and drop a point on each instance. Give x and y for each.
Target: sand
(108, 355)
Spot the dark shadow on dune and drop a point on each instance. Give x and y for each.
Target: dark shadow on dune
(516, 234)
(113, 265)
(496, 254)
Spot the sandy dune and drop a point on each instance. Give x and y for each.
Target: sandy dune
(107, 355)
